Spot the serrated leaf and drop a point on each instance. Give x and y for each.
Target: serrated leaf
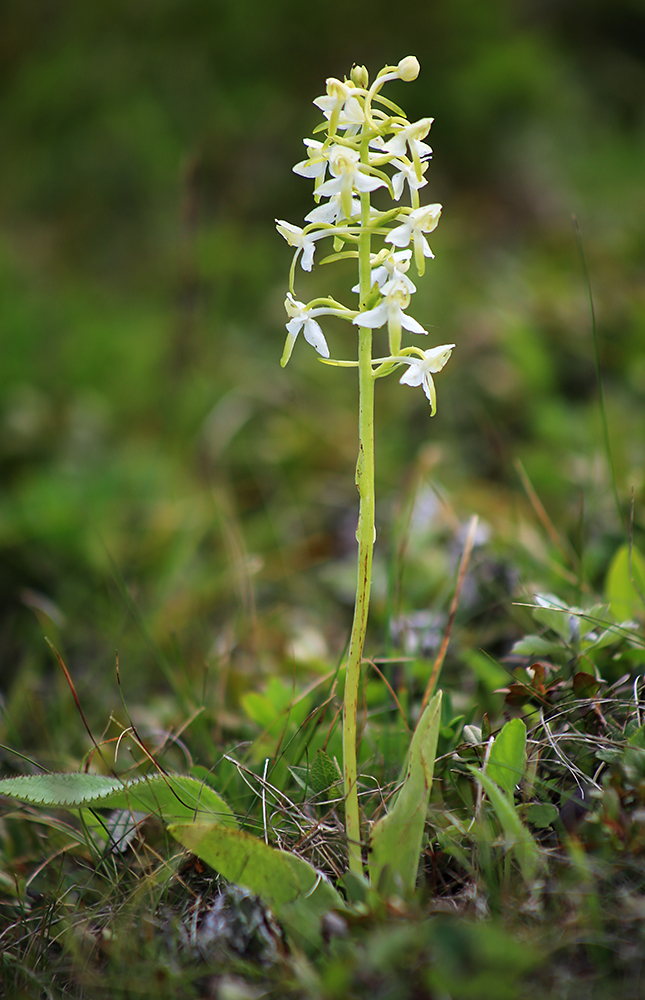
(542, 814)
(396, 838)
(323, 772)
(292, 888)
(624, 586)
(172, 797)
(507, 759)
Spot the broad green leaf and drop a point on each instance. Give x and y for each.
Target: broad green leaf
(605, 638)
(585, 684)
(277, 710)
(542, 814)
(172, 797)
(396, 838)
(517, 835)
(294, 890)
(553, 613)
(278, 701)
(622, 584)
(323, 773)
(535, 645)
(507, 760)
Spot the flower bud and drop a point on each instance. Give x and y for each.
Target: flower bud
(408, 68)
(360, 76)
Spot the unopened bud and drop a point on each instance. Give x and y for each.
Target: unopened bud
(360, 76)
(408, 68)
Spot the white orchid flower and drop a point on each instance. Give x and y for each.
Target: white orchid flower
(390, 310)
(422, 369)
(413, 226)
(345, 165)
(391, 267)
(410, 136)
(316, 164)
(340, 105)
(305, 242)
(301, 317)
(406, 171)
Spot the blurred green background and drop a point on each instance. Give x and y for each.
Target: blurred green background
(170, 491)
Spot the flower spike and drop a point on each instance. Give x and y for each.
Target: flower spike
(368, 146)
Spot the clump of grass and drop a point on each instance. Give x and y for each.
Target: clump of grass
(481, 922)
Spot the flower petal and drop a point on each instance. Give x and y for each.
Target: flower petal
(400, 236)
(308, 250)
(437, 357)
(431, 392)
(414, 374)
(314, 336)
(373, 318)
(295, 325)
(364, 182)
(409, 323)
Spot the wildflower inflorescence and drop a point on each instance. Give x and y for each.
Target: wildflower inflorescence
(369, 145)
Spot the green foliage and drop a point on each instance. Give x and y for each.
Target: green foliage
(166, 493)
(507, 759)
(517, 836)
(276, 711)
(324, 772)
(297, 894)
(396, 839)
(625, 583)
(173, 797)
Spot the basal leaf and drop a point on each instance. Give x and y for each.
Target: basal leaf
(396, 839)
(65, 790)
(295, 891)
(517, 835)
(172, 797)
(507, 760)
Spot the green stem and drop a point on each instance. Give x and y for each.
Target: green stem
(365, 537)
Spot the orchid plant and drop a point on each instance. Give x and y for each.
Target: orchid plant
(368, 145)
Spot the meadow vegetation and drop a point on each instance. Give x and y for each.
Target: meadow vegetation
(177, 515)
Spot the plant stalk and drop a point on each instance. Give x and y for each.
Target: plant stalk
(365, 534)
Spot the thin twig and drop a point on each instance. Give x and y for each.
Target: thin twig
(390, 689)
(461, 576)
(565, 551)
(601, 392)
